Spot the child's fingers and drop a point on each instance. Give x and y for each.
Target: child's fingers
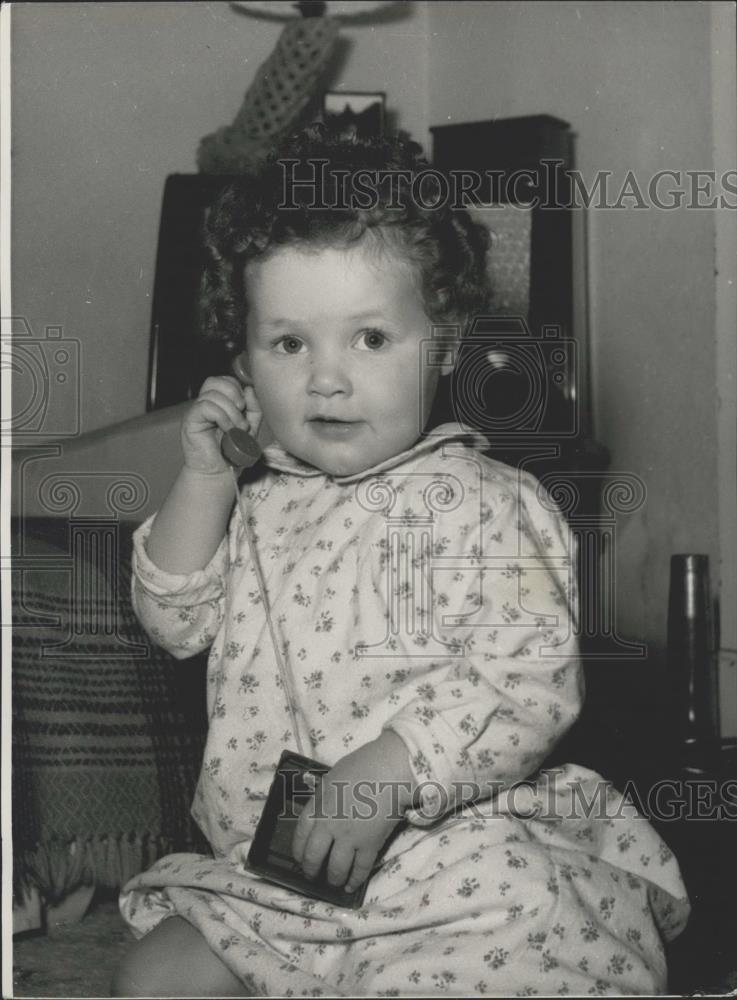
(253, 409)
(213, 407)
(226, 385)
(362, 865)
(315, 851)
(302, 831)
(340, 863)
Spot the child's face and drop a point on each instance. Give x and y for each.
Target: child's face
(335, 345)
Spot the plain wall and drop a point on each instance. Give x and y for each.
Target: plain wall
(634, 81)
(107, 100)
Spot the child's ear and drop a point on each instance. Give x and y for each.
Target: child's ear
(241, 368)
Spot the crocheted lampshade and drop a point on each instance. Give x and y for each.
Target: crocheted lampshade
(273, 103)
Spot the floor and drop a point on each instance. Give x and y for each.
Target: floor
(78, 961)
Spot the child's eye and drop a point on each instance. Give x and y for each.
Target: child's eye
(373, 340)
(289, 345)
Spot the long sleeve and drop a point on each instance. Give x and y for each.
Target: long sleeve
(182, 613)
(488, 718)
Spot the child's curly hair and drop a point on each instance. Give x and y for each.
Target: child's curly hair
(448, 250)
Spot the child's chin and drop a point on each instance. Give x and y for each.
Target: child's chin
(342, 465)
(342, 459)
(346, 468)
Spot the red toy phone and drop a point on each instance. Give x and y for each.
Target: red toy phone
(239, 447)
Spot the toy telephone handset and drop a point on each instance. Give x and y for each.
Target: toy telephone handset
(238, 446)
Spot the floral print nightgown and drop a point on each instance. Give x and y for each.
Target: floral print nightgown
(432, 595)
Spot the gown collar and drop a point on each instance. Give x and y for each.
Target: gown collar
(275, 457)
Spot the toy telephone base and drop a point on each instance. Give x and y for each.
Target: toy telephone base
(271, 851)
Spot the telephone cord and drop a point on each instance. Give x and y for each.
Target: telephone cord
(285, 676)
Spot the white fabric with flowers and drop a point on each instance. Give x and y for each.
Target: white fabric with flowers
(432, 595)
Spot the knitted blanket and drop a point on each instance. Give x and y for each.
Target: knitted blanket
(108, 730)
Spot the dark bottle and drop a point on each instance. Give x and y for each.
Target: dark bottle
(690, 652)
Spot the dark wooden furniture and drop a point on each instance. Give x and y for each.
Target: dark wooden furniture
(525, 162)
(179, 358)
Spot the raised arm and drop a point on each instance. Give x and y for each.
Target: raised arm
(192, 520)
(181, 558)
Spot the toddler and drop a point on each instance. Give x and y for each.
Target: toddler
(415, 632)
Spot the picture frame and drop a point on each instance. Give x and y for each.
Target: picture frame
(363, 108)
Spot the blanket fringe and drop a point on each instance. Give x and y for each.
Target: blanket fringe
(57, 867)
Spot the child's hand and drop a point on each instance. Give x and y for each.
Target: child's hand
(217, 409)
(352, 816)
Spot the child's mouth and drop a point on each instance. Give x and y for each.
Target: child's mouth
(332, 428)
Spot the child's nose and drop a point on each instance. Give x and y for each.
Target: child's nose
(329, 376)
